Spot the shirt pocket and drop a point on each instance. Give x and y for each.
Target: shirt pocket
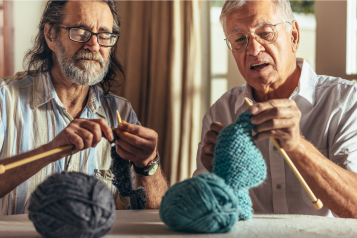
(305, 195)
(106, 176)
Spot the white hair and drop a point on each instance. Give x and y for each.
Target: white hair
(281, 6)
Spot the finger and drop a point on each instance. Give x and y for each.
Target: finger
(123, 153)
(86, 136)
(105, 128)
(208, 149)
(207, 161)
(211, 137)
(275, 113)
(140, 131)
(276, 124)
(92, 127)
(263, 106)
(281, 134)
(130, 148)
(70, 137)
(139, 142)
(216, 126)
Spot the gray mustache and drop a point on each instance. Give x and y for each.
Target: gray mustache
(89, 56)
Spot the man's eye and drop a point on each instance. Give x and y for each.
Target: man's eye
(240, 39)
(265, 33)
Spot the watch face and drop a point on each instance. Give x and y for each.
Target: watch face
(153, 169)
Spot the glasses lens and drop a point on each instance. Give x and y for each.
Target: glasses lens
(237, 41)
(78, 34)
(266, 34)
(107, 39)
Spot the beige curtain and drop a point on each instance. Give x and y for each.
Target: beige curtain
(161, 53)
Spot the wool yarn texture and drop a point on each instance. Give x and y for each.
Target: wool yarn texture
(204, 204)
(123, 181)
(239, 162)
(214, 202)
(72, 204)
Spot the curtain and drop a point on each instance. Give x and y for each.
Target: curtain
(160, 50)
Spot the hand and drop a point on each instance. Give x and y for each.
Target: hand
(209, 142)
(83, 133)
(136, 143)
(280, 119)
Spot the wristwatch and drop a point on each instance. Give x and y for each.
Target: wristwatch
(149, 169)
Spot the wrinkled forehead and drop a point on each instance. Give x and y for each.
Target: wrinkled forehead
(252, 15)
(89, 14)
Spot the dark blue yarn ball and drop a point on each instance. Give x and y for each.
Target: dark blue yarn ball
(203, 204)
(72, 204)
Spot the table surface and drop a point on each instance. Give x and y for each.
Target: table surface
(147, 223)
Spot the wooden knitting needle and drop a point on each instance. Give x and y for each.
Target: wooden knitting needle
(315, 201)
(118, 117)
(3, 168)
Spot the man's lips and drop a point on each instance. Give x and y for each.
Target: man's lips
(259, 66)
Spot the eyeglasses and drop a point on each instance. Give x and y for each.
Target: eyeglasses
(82, 36)
(266, 34)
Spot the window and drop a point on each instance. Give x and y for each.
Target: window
(6, 39)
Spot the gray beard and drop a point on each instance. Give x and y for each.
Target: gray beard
(86, 76)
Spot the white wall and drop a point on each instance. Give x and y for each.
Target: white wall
(27, 15)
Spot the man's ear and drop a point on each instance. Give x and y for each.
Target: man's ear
(49, 33)
(295, 36)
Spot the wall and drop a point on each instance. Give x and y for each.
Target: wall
(27, 15)
(331, 38)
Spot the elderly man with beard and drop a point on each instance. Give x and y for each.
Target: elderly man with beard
(314, 117)
(57, 102)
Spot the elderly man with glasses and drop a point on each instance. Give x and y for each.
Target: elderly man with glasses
(313, 117)
(58, 102)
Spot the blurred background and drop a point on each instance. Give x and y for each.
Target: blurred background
(177, 63)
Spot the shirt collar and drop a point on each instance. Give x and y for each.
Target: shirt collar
(44, 91)
(307, 81)
(306, 87)
(246, 93)
(94, 102)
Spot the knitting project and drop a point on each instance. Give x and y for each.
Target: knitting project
(239, 162)
(123, 181)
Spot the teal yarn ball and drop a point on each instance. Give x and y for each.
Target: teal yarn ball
(203, 204)
(239, 162)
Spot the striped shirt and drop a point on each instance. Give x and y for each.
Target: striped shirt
(31, 115)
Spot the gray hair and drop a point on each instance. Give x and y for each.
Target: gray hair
(282, 6)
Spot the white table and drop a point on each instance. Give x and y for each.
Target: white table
(147, 223)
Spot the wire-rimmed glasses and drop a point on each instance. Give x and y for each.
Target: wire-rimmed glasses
(238, 41)
(82, 36)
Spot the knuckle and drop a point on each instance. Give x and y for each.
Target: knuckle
(277, 111)
(96, 127)
(274, 123)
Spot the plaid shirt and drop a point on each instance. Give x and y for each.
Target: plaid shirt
(31, 115)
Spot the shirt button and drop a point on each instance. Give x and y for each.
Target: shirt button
(278, 186)
(274, 148)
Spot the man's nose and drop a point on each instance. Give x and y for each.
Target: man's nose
(92, 44)
(254, 46)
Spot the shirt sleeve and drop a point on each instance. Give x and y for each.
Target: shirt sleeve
(343, 150)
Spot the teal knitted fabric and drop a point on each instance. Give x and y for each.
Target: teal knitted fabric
(239, 162)
(213, 202)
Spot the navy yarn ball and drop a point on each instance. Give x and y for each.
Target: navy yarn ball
(71, 204)
(203, 204)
